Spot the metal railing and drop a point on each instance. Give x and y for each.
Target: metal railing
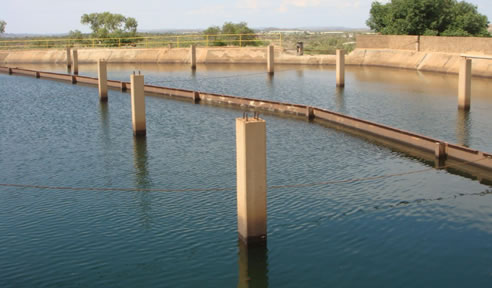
(173, 41)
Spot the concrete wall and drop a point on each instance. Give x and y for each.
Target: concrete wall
(162, 55)
(422, 61)
(458, 45)
(468, 45)
(400, 42)
(374, 50)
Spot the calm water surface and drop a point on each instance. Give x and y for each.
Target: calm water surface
(424, 103)
(424, 229)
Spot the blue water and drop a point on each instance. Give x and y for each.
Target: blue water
(424, 103)
(423, 229)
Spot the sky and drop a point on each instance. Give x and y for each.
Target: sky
(61, 16)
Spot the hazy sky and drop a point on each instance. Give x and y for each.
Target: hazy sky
(60, 16)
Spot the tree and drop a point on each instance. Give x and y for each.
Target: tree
(75, 34)
(239, 28)
(2, 26)
(226, 34)
(427, 17)
(212, 30)
(105, 25)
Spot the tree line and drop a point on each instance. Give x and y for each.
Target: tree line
(427, 17)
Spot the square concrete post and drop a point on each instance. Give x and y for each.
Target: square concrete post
(75, 61)
(69, 59)
(251, 179)
(123, 86)
(310, 113)
(196, 97)
(464, 84)
(340, 68)
(193, 57)
(270, 59)
(138, 104)
(102, 74)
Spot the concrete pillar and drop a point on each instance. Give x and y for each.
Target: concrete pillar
(440, 154)
(309, 113)
(464, 84)
(75, 55)
(138, 104)
(417, 45)
(123, 86)
(69, 59)
(251, 179)
(440, 150)
(38, 75)
(196, 97)
(340, 68)
(102, 74)
(193, 57)
(10, 71)
(270, 59)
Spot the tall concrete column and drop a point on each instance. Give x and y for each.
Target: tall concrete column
(69, 59)
(193, 57)
(464, 85)
(340, 68)
(75, 55)
(270, 59)
(138, 104)
(251, 179)
(102, 74)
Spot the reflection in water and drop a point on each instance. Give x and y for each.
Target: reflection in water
(269, 82)
(142, 178)
(253, 266)
(103, 108)
(106, 138)
(340, 100)
(193, 73)
(463, 128)
(300, 73)
(140, 162)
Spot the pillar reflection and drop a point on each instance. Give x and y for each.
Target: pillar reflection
(140, 162)
(463, 127)
(340, 100)
(300, 73)
(142, 179)
(253, 265)
(103, 108)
